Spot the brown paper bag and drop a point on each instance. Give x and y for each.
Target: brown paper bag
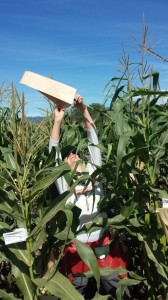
(59, 93)
(163, 215)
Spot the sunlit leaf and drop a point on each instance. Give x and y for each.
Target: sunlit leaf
(49, 179)
(60, 286)
(11, 161)
(88, 256)
(55, 208)
(121, 149)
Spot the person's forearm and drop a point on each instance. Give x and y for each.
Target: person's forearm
(58, 118)
(55, 133)
(86, 115)
(88, 119)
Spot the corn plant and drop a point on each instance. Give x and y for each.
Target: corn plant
(27, 200)
(134, 135)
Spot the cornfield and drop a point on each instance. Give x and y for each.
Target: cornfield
(133, 138)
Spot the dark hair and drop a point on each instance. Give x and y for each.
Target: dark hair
(65, 151)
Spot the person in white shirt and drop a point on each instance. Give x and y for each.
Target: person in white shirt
(86, 199)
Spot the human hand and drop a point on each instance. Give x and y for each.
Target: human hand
(79, 103)
(59, 113)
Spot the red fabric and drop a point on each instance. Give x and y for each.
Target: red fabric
(72, 263)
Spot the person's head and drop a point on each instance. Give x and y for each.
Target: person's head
(70, 156)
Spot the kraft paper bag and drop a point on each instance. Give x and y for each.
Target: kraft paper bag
(59, 93)
(163, 215)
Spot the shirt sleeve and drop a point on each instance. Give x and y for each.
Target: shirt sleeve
(53, 143)
(60, 182)
(94, 150)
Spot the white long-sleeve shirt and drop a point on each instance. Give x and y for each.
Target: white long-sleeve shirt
(87, 202)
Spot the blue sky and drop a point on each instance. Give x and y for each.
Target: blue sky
(77, 42)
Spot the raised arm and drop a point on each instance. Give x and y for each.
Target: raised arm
(94, 151)
(59, 115)
(54, 142)
(86, 115)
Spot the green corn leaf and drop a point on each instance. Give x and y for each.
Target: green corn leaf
(110, 147)
(155, 134)
(152, 256)
(126, 282)
(64, 235)
(61, 200)
(88, 256)
(154, 101)
(161, 193)
(121, 149)
(12, 211)
(7, 296)
(24, 282)
(53, 210)
(60, 286)
(116, 94)
(134, 222)
(18, 251)
(155, 80)
(119, 117)
(20, 269)
(100, 297)
(128, 207)
(4, 227)
(7, 166)
(136, 121)
(48, 180)
(120, 292)
(106, 271)
(40, 239)
(130, 281)
(11, 161)
(66, 232)
(136, 276)
(155, 76)
(142, 92)
(117, 220)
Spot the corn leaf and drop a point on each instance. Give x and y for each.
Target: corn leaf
(55, 208)
(60, 286)
(23, 281)
(49, 179)
(88, 256)
(100, 297)
(121, 149)
(7, 296)
(152, 256)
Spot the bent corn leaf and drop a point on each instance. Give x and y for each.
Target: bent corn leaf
(88, 256)
(49, 179)
(60, 286)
